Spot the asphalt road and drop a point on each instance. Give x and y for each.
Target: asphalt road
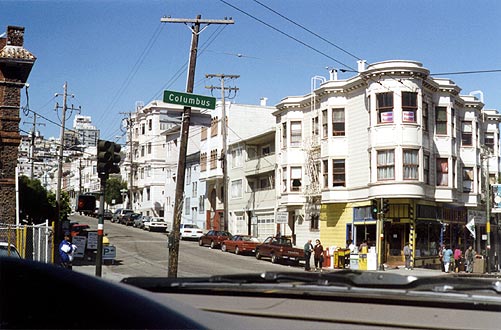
(143, 253)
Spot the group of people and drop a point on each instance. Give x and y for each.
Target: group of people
(318, 255)
(452, 260)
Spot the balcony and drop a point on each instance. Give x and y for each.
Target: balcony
(260, 164)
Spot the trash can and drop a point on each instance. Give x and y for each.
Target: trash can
(479, 265)
(340, 260)
(354, 261)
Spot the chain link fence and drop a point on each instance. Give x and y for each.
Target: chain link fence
(33, 242)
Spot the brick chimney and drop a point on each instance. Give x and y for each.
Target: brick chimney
(15, 67)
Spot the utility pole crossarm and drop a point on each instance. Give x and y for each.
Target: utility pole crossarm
(196, 20)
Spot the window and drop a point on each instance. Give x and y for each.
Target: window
(201, 204)
(466, 134)
(425, 116)
(338, 173)
(325, 173)
(188, 176)
(265, 150)
(315, 221)
(214, 126)
(338, 122)
(409, 107)
(384, 107)
(236, 157)
(325, 125)
(187, 206)
(489, 140)
(284, 179)
(441, 120)
(142, 129)
(284, 135)
(213, 159)
(314, 126)
(296, 177)
(236, 188)
(203, 162)
(411, 164)
(426, 169)
(148, 194)
(142, 151)
(468, 179)
(264, 183)
(251, 152)
(386, 164)
(442, 172)
(149, 148)
(203, 133)
(296, 134)
(150, 124)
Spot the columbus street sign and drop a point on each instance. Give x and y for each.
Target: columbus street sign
(190, 100)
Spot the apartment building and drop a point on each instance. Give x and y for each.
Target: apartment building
(243, 122)
(390, 155)
(252, 193)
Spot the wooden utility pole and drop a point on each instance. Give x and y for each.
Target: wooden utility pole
(224, 130)
(57, 221)
(185, 126)
(130, 126)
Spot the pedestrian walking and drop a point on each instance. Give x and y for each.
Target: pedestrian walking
(458, 254)
(469, 257)
(441, 257)
(447, 257)
(308, 248)
(318, 255)
(407, 256)
(66, 250)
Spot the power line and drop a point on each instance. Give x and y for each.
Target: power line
(308, 30)
(287, 35)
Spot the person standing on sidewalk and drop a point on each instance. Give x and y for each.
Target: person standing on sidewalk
(308, 248)
(457, 259)
(469, 257)
(318, 255)
(66, 249)
(447, 256)
(407, 255)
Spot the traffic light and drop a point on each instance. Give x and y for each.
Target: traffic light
(386, 206)
(374, 209)
(86, 203)
(108, 157)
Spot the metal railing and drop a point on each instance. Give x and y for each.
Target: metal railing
(33, 242)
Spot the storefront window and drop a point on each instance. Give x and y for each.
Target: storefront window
(427, 238)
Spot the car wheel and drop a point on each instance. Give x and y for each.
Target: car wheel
(200, 242)
(258, 255)
(212, 244)
(237, 250)
(274, 259)
(223, 247)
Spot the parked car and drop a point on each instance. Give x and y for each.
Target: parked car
(214, 238)
(278, 249)
(139, 221)
(8, 250)
(119, 213)
(128, 218)
(155, 224)
(190, 231)
(240, 244)
(107, 215)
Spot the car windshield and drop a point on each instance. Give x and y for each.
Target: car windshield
(6, 251)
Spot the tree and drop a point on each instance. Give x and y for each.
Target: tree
(34, 204)
(114, 185)
(65, 208)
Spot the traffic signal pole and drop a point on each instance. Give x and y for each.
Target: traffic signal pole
(183, 144)
(100, 229)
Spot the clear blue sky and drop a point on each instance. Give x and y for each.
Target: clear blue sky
(114, 53)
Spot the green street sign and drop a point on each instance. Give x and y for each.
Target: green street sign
(190, 100)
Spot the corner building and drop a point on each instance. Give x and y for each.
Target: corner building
(391, 155)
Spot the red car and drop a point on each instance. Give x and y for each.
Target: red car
(240, 244)
(214, 238)
(78, 229)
